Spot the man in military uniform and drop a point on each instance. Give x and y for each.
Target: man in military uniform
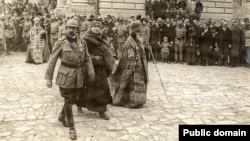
(76, 67)
(180, 40)
(27, 25)
(9, 33)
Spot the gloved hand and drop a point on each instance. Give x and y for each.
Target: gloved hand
(91, 78)
(49, 83)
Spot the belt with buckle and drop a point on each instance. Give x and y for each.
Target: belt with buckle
(74, 66)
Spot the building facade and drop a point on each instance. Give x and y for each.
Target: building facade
(217, 9)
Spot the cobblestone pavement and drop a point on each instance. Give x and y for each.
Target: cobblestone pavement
(194, 95)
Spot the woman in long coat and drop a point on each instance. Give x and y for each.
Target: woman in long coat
(205, 45)
(98, 93)
(131, 74)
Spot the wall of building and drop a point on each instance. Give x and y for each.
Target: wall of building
(217, 9)
(122, 7)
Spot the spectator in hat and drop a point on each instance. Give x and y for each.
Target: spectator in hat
(146, 36)
(155, 39)
(19, 44)
(180, 40)
(205, 45)
(9, 32)
(109, 25)
(237, 44)
(27, 25)
(224, 44)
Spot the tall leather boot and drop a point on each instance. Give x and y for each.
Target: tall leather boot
(69, 115)
(62, 118)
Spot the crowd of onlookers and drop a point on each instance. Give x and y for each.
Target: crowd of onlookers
(173, 9)
(178, 37)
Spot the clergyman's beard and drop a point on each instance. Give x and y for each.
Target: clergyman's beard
(71, 37)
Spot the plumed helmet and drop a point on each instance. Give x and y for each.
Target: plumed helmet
(72, 23)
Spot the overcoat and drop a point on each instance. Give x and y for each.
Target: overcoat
(98, 93)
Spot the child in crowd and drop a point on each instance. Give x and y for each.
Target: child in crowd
(165, 49)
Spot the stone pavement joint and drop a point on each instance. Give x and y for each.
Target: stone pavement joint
(198, 95)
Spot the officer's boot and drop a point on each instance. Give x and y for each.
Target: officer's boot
(69, 116)
(62, 118)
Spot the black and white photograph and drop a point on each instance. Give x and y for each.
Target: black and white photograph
(124, 70)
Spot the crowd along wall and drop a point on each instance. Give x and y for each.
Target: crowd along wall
(217, 9)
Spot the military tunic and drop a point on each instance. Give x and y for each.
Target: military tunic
(70, 77)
